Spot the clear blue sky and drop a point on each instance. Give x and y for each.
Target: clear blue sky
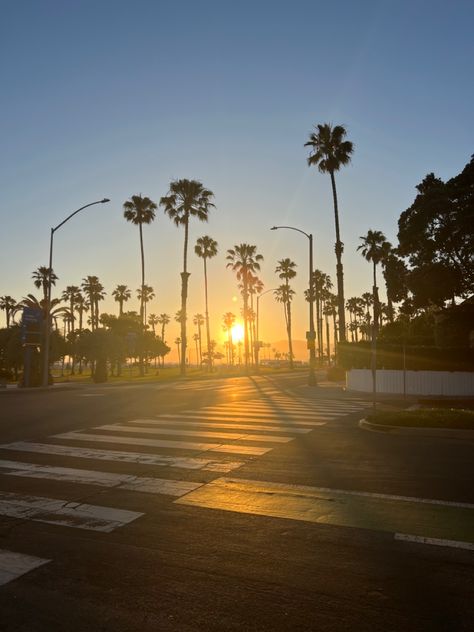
(112, 98)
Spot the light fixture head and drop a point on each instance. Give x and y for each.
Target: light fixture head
(104, 200)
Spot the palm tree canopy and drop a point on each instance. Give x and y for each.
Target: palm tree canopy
(243, 258)
(198, 319)
(228, 320)
(163, 319)
(206, 247)
(148, 293)
(122, 293)
(139, 210)
(284, 294)
(374, 246)
(286, 269)
(330, 150)
(187, 198)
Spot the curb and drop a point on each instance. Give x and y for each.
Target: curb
(421, 432)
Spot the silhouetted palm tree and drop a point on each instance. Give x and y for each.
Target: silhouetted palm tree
(243, 258)
(286, 271)
(228, 321)
(140, 210)
(186, 199)
(206, 248)
(373, 249)
(177, 342)
(9, 306)
(163, 320)
(330, 151)
(284, 294)
(145, 294)
(121, 295)
(153, 321)
(199, 321)
(94, 291)
(41, 278)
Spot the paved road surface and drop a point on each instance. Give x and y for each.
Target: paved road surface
(241, 504)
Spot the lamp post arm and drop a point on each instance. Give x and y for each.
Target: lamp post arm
(78, 210)
(292, 228)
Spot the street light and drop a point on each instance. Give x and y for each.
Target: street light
(311, 334)
(48, 298)
(257, 342)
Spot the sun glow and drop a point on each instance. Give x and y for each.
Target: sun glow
(237, 333)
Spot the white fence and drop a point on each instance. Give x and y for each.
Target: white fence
(444, 383)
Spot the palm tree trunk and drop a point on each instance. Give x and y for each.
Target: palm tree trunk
(290, 341)
(376, 302)
(142, 296)
(328, 347)
(339, 247)
(184, 298)
(246, 331)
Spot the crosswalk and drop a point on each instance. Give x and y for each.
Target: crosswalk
(167, 453)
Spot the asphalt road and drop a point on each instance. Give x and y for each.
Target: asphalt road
(241, 504)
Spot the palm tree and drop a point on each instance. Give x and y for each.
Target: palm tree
(69, 295)
(186, 199)
(177, 342)
(94, 291)
(228, 321)
(197, 342)
(243, 258)
(368, 300)
(330, 151)
(121, 294)
(286, 271)
(373, 249)
(199, 321)
(206, 248)
(153, 321)
(284, 294)
(9, 306)
(255, 286)
(41, 277)
(145, 294)
(163, 320)
(140, 210)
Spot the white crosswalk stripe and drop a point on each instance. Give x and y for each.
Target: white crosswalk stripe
(13, 565)
(164, 419)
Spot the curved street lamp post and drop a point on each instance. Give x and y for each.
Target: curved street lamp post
(47, 318)
(311, 334)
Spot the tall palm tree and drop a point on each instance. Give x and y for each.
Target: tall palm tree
(330, 151)
(206, 248)
(177, 342)
(94, 290)
(9, 306)
(198, 352)
(145, 294)
(153, 321)
(284, 294)
(286, 271)
(41, 277)
(228, 321)
(140, 210)
(199, 321)
(243, 258)
(373, 249)
(163, 320)
(121, 295)
(368, 300)
(69, 295)
(186, 199)
(255, 286)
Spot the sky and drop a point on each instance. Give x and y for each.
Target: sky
(110, 99)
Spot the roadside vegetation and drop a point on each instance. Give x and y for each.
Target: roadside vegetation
(453, 418)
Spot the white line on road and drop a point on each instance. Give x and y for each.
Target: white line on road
(230, 436)
(419, 539)
(158, 443)
(163, 419)
(13, 565)
(184, 462)
(248, 419)
(243, 414)
(103, 479)
(65, 513)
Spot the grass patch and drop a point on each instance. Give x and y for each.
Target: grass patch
(426, 418)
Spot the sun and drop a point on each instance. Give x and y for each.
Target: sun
(237, 332)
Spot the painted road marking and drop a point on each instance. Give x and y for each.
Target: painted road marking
(230, 436)
(455, 544)
(158, 443)
(249, 418)
(103, 479)
(184, 462)
(162, 419)
(65, 513)
(380, 512)
(241, 414)
(13, 565)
